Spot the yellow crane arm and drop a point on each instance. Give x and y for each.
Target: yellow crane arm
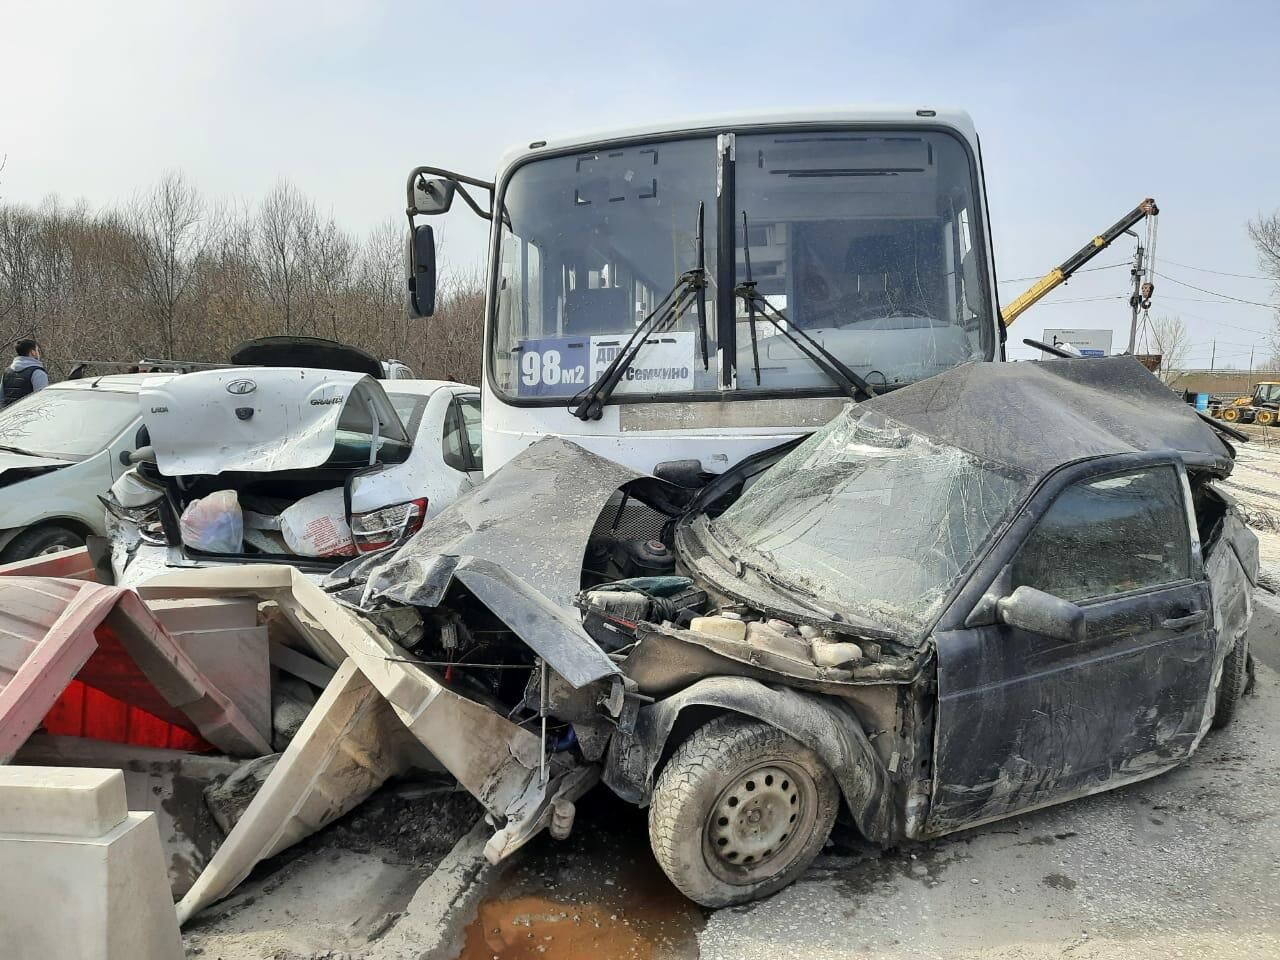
(1062, 273)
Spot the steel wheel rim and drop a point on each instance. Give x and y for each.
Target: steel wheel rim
(759, 822)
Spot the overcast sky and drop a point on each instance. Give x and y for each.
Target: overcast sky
(1083, 109)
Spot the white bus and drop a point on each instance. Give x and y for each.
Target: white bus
(699, 291)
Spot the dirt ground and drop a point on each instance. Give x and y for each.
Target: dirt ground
(1184, 865)
(333, 895)
(1255, 483)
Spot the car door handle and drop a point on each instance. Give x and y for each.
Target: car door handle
(1181, 623)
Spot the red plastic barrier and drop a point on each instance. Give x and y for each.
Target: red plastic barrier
(112, 700)
(82, 711)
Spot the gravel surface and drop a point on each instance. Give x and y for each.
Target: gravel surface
(1184, 865)
(1255, 483)
(336, 894)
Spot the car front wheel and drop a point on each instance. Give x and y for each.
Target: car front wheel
(41, 541)
(739, 811)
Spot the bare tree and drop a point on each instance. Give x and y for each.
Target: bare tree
(282, 241)
(330, 269)
(1265, 234)
(170, 233)
(1167, 336)
(170, 274)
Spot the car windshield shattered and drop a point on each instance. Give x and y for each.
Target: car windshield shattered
(872, 518)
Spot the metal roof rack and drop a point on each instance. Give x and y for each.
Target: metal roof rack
(149, 364)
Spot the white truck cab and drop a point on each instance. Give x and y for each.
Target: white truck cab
(699, 291)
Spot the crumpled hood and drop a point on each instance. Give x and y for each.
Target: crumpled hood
(517, 542)
(1037, 416)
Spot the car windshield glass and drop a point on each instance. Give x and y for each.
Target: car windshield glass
(872, 518)
(590, 244)
(66, 424)
(867, 241)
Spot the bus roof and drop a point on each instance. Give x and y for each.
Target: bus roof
(958, 120)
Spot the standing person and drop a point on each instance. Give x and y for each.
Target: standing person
(25, 375)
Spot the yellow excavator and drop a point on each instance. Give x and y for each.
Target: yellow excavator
(1062, 273)
(1261, 407)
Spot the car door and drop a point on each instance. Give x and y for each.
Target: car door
(1024, 719)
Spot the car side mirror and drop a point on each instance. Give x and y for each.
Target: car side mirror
(1038, 612)
(421, 265)
(433, 196)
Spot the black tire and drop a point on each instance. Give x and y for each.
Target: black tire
(1236, 671)
(757, 773)
(41, 540)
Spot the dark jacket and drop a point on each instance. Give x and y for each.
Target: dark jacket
(25, 375)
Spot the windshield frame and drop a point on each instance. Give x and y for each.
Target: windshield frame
(721, 223)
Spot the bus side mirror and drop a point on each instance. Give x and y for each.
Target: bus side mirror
(421, 257)
(433, 196)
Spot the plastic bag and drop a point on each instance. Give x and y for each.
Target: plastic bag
(214, 523)
(316, 526)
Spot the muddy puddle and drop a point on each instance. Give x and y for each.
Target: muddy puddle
(597, 894)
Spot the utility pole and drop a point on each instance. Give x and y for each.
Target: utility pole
(1213, 354)
(1251, 362)
(1136, 298)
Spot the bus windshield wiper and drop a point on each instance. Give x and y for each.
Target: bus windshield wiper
(691, 287)
(758, 305)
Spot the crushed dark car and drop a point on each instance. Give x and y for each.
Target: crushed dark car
(998, 589)
(991, 591)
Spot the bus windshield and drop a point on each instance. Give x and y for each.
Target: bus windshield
(866, 241)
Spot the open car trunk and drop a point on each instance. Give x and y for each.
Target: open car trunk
(265, 463)
(314, 352)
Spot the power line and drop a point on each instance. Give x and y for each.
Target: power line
(1230, 343)
(1109, 266)
(1216, 293)
(1052, 303)
(1223, 323)
(1224, 303)
(1222, 273)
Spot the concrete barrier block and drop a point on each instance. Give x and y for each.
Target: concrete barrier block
(205, 613)
(61, 801)
(68, 894)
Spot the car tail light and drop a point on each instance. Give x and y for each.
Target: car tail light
(379, 529)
